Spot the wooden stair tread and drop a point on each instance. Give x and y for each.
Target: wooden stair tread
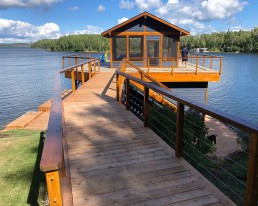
(23, 120)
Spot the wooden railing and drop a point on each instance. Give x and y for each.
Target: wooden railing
(92, 69)
(54, 160)
(251, 193)
(198, 63)
(144, 75)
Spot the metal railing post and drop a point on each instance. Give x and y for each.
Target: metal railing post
(251, 193)
(179, 129)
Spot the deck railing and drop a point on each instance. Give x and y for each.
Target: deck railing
(54, 161)
(245, 186)
(197, 63)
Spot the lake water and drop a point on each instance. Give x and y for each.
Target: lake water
(27, 77)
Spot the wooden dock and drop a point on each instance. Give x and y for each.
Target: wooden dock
(114, 160)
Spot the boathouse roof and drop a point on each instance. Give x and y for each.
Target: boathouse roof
(156, 22)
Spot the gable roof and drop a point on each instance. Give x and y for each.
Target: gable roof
(146, 14)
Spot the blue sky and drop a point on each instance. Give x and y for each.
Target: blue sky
(31, 20)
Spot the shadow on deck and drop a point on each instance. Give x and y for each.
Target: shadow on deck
(114, 160)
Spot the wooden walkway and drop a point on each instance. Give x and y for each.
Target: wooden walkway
(114, 160)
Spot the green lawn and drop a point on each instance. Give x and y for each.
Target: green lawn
(21, 181)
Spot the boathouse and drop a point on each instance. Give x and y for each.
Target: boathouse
(143, 36)
(153, 45)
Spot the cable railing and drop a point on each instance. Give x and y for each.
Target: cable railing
(229, 160)
(196, 64)
(54, 160)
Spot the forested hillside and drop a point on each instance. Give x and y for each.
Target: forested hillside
(240, 41)
(83, 42)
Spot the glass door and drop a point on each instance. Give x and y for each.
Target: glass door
(153, 51)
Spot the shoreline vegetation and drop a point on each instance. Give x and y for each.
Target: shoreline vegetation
(230, 42)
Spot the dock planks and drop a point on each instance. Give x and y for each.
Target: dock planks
(114, 160)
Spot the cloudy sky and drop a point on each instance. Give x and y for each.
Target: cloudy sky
(31, 20)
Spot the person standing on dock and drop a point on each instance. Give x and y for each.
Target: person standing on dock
(185, 53)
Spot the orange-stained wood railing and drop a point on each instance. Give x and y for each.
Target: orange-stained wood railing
(196, 62)
(144, 75)
(75, 69)
(252, 173)
(54, 160)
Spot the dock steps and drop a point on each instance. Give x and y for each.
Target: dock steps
(23, 120)
(46, 106)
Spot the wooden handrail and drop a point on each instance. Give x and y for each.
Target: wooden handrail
(54, 157)
(252, 172)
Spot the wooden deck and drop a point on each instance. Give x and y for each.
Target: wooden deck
(114, 160)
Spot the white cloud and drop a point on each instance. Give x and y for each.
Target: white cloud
(5, 4)
(101, 8)
(125, 4)
(89, 30)
(119, 21)
(73, 8)
(144, 5)
(20, 31)
(194, 15)
(220, 9)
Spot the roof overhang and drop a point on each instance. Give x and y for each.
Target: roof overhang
(145, 14)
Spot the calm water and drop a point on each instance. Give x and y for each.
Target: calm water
(26, 81)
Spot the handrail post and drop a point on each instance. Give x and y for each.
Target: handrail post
(94, 63)
(203, 59)
(172, 71)
(211, 63)
(196, 66)
(82, 73)
(127, 93)
(146, 106)
(89, 70)
(117, 87)
(148, 65)
(73, 80)
(220, 66)
(251, 193)
(63, 62)
(179, 129)
(54, 188)
(98, 65)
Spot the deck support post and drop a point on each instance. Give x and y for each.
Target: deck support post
(251, 193)
(127, 82)
(148, 65)
(211, 63)
(73, 80)
(179, 129)
(54, 188)
(146, 106)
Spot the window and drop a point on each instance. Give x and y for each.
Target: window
(169, 46)
(135, 47)
(119, 47)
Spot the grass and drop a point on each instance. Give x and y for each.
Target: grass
(21, 181)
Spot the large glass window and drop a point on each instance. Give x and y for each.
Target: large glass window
(169, 46)
(119, 47)
(135, 47)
